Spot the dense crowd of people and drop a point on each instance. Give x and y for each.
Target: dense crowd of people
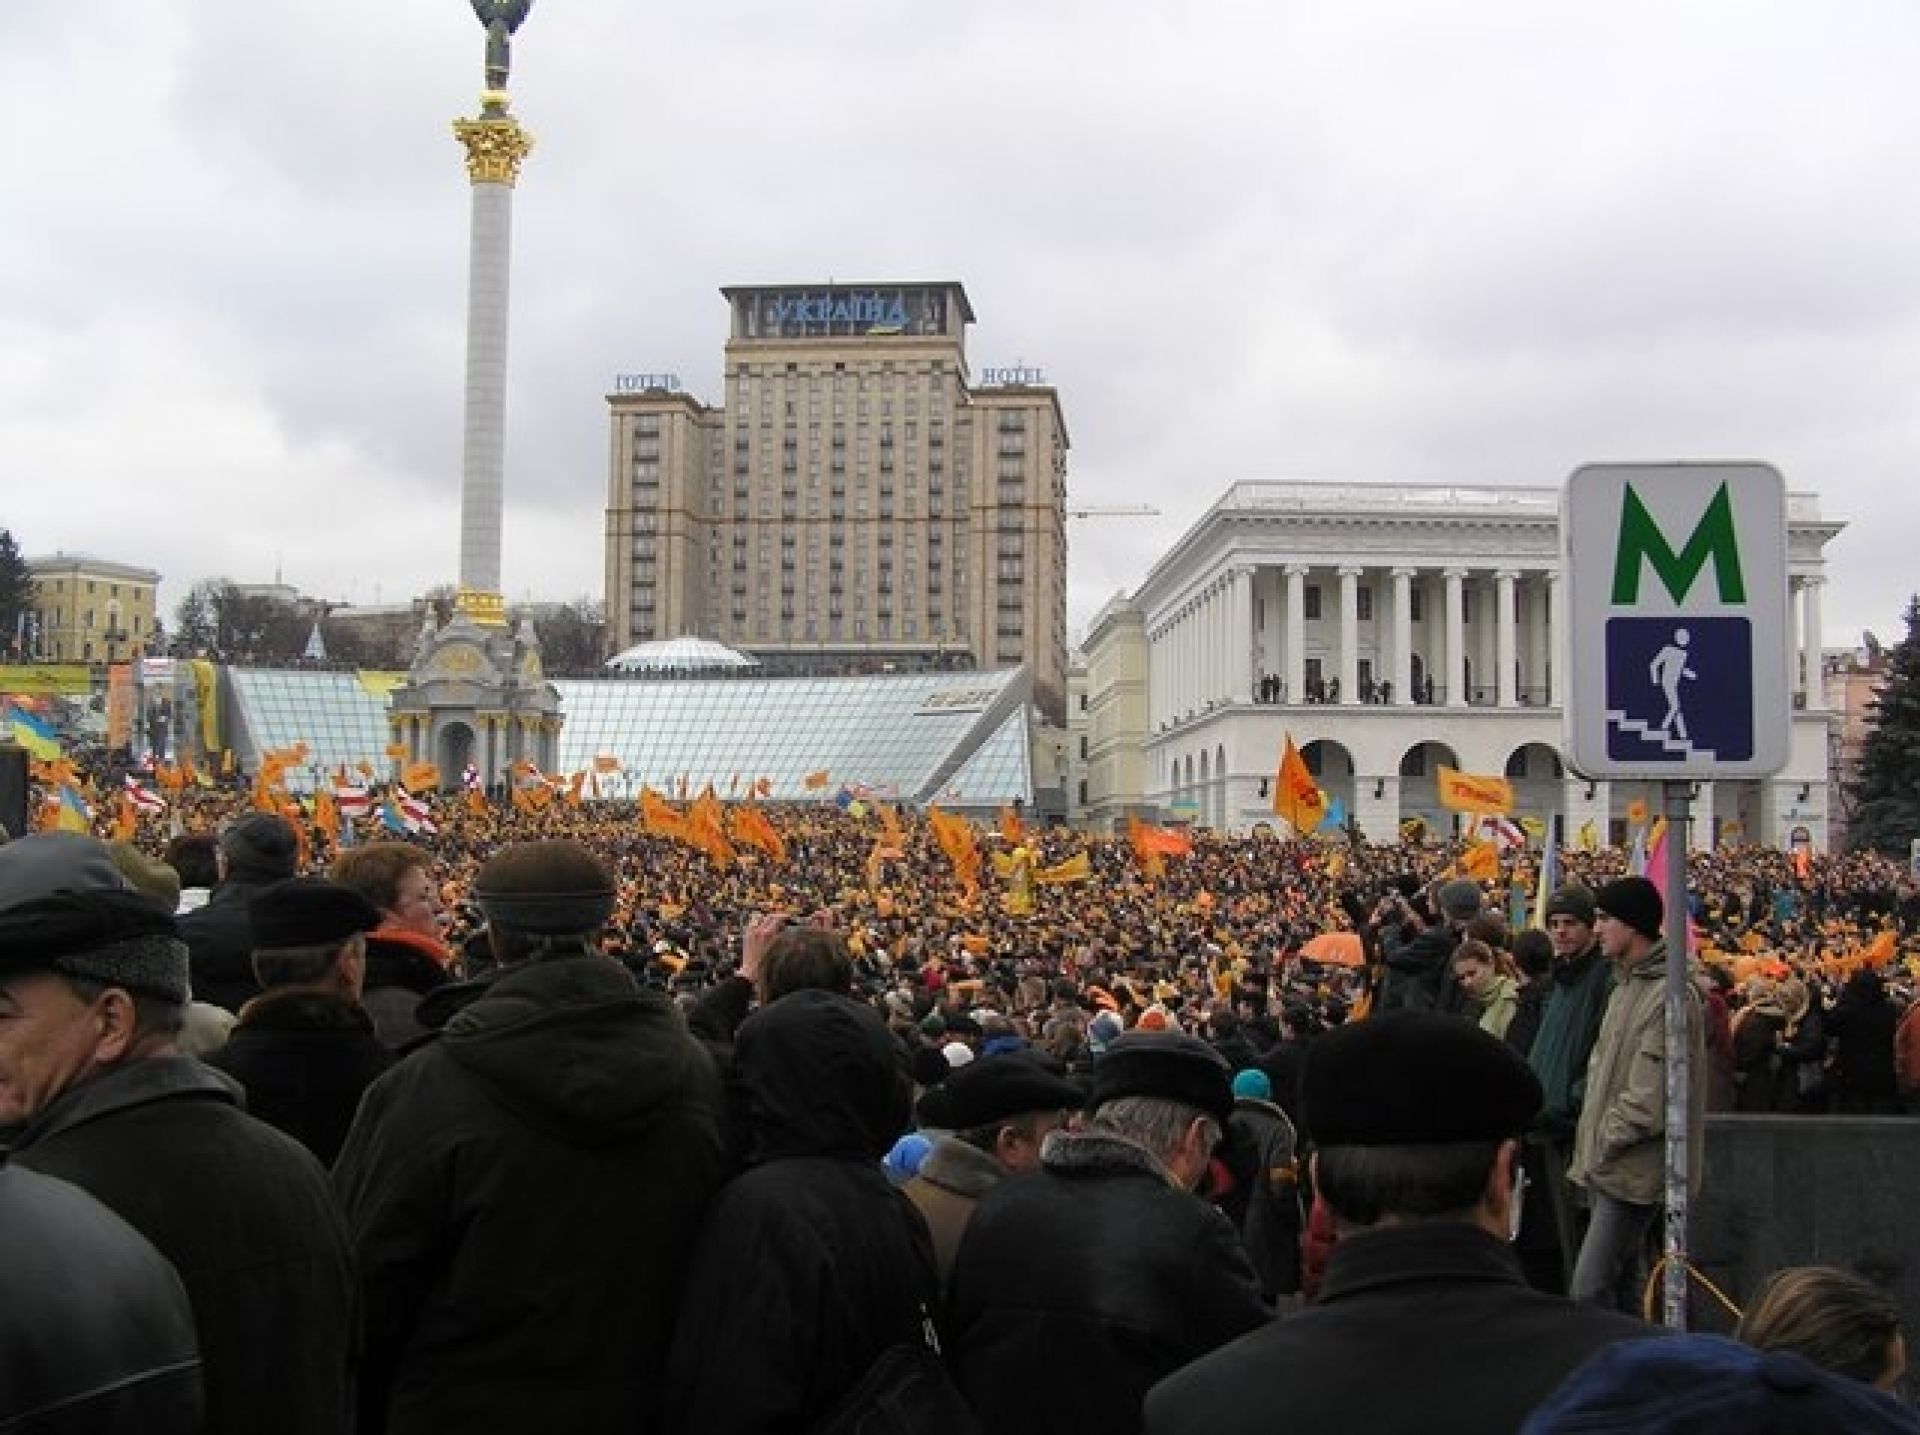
(548, 1120)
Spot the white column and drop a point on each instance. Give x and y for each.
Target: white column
(1240, 645)
(1506, 695)
(1810, 642)
(1186, 661)
(1213, 643)
(1536, 626)
(1209, 646)
(1796, 635)
(1703, 828)
(1296, 633)
(1403, 636)
(1456, 639)
(1556, 641)
(1349, 635)
(483, 464)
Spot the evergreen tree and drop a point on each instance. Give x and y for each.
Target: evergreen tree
(1886, 793)
(16, 598)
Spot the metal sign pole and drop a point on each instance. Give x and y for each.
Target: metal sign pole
(1676, 797)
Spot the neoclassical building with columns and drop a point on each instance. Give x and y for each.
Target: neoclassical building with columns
(1391, 630)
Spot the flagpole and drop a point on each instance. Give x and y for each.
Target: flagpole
(1676, 797)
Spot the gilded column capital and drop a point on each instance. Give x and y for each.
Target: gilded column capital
(495, 147)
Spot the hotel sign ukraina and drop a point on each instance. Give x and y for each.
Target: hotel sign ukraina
(874, 310)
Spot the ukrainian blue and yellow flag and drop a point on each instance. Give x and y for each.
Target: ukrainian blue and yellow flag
(31, 731)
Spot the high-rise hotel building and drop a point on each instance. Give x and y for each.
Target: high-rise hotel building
(857, 503)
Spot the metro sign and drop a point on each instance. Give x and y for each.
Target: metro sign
(1675, 580)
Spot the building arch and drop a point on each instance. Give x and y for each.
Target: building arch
(1539, 785)
(1332, 764)
(454, 753)
(1419, 792)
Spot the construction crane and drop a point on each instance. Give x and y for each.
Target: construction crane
(1112, 510)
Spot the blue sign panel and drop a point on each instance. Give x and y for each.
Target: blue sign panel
(1679, 689)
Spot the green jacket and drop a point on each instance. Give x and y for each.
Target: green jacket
(1569, 1026)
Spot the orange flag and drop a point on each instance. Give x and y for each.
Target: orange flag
(892, 836)
(706, 830)
(1481, 861)
(815, 781)
(1297, 798)
(1473, 792)
(762, 786)
(477, 802)
(126, 821)
(1011, 829)
(751, 828)
(604, 763)
(660, 817)
(326, 815)
(418, 777)
(955, 838)
(397, 751)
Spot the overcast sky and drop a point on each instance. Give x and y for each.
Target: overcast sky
(1365, 242)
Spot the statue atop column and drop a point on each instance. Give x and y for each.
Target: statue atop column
(502, 18)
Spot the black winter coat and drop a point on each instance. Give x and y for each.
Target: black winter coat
(304, 1058)
(1077, 1288)
(521, 1193)
(1421, 1330)
(1861, 1025)
(400, 971)
(96, 1335)
(812, 1264)
(244, 1214)
(1419, 972)
(219, 938)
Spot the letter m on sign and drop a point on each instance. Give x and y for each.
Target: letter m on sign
(1642, 543)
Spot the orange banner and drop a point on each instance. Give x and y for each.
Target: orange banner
(1470, 792)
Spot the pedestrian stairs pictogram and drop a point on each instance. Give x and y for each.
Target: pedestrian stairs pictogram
(1647, 732)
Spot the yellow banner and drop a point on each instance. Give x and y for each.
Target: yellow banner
(206, 696)
(45, 680)
(1472, 792)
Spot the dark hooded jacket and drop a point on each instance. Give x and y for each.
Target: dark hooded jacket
(522, 1194)
(811, 1264)
(243, 1213)
(219, 938)
(304, 1057)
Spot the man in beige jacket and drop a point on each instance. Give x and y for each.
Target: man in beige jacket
(993, 1114)
(1619, 1150)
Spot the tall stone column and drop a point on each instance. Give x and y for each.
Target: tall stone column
(1535, 622)
(1403, 636)
(1240, 645)
(1296, 633)
(1349, 635)
(496, 146)
(1810, 642)
(1456, 638)
(1796, 636)
(1556, 641)
(1504, 634)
